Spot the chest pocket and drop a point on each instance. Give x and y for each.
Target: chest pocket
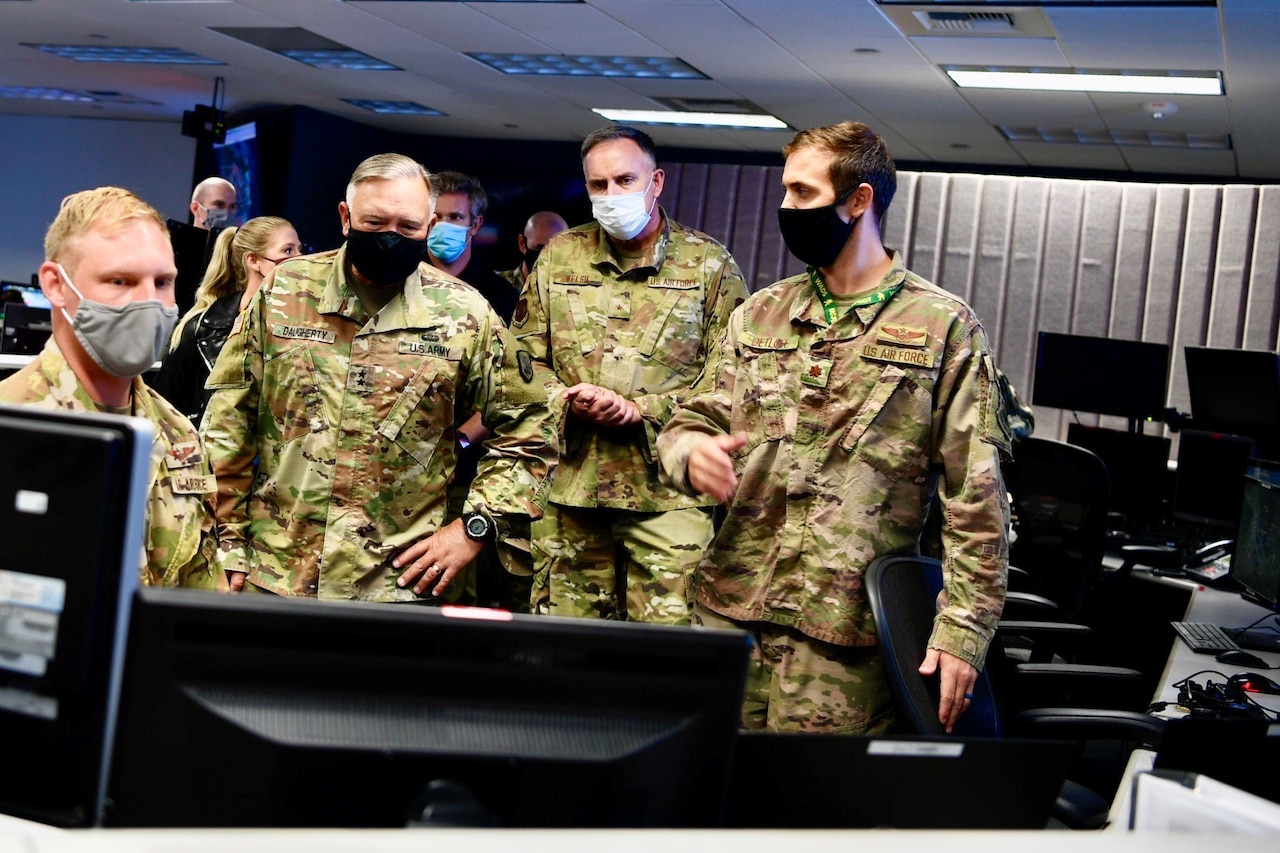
(577, 320)
(672, 335)
(291, 387)
(891, 430)
(761, 399)
(423, 411)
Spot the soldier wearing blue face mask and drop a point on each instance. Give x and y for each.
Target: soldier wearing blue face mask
(213, 204)
(460, 207)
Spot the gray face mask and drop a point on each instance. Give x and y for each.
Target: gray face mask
(123, 339)
(215, 217)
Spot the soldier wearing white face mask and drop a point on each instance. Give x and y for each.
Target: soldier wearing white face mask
(109, 275)
(623, 311)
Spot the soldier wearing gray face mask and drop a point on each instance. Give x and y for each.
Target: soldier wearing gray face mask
(109, 276)
(213, 204)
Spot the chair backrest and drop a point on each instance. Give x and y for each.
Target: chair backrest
(903, 593)
(1061, 494)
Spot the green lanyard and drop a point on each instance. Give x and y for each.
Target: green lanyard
(829, 302)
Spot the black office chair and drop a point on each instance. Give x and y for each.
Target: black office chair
(1060, 495)
(903, 591)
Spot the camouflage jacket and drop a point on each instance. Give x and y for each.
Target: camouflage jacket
(641, 327)
(334, 434)
(847, 424)
(179, 542)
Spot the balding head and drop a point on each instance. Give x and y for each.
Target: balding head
(213, 194)
(540, 228)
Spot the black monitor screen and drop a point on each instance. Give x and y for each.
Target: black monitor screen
(1101, 375)
(1138, 466)
(263, 712)
(72, 497)
(30, 294)
(1255, 564)
(1210, 480)
(1233, 389)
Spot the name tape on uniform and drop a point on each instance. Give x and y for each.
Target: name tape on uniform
(304, 333)
(434, 350)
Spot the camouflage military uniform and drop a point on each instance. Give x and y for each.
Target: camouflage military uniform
(642, 328)
(513, 277)
(846, 423)
(334, 434)
(179, 541)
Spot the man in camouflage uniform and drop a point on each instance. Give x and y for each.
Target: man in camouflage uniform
(333, 422)
(835, 402)
(106, 250)
(624, 311)
(538, 231)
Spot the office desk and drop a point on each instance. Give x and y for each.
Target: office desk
(622, 841)
(1215, 606)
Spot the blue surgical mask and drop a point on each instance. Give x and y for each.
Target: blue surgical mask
(447, 241)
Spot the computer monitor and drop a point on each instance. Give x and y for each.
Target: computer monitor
(803, 781)
(72, 502)
(24, 329)
(1255, 562)
(1107, 376)
(1138, 465)
(1234, 390)
(31, 293)
(192, 248)
(1240, 753)
(259, 711)
(238, 162)
(1210, 479)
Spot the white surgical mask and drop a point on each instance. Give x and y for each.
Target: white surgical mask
(623, 216)
(123, 339)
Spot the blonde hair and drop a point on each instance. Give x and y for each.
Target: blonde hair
(227, 273)
(389, 167)
(108, 208)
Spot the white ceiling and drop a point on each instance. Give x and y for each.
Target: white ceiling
(809, 62)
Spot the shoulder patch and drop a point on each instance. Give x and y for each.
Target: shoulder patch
(521, 315)
(524, 363)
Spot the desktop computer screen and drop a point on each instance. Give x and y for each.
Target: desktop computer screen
(31, 294)
(24, 329)
(1233, 390)
(1138, 466)
(1209, 484)
(259, 711)
(72, 501)
(1102, 375)
(1255, 563)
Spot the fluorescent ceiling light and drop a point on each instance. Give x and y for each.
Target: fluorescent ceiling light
(144, 55)
(761, 122)
(44, 93)
(404, 108)
(557, 64)
(1067, 80)
(344, 58)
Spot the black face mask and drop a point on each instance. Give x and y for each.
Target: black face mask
(386, 258)
(531, 256)
(815, 235)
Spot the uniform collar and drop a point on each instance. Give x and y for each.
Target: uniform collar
(66, 388)
(809, 310)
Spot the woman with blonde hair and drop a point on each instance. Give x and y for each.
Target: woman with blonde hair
(242, 259)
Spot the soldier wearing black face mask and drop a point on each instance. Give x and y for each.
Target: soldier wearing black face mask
(333, 423)
(540, 228)
(838, 404)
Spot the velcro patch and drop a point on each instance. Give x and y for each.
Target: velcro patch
(902, 336)
(303, 333)
(433, 350)
(575, 279)
(674, 283)
(898, 355)
(762, 342)
(183, 455)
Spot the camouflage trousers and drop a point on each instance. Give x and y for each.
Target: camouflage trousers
(798, 684)
(602, 563)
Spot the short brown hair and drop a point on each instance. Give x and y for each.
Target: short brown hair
(859, 156)
(456, 182)
(104, 207)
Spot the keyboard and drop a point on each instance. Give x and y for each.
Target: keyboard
(1204, 638)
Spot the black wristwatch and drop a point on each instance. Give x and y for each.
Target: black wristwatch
(477, 527)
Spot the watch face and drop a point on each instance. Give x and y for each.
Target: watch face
(477, 527)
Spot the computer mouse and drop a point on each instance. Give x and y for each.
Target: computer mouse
(1252, 682)
(1239, 657)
